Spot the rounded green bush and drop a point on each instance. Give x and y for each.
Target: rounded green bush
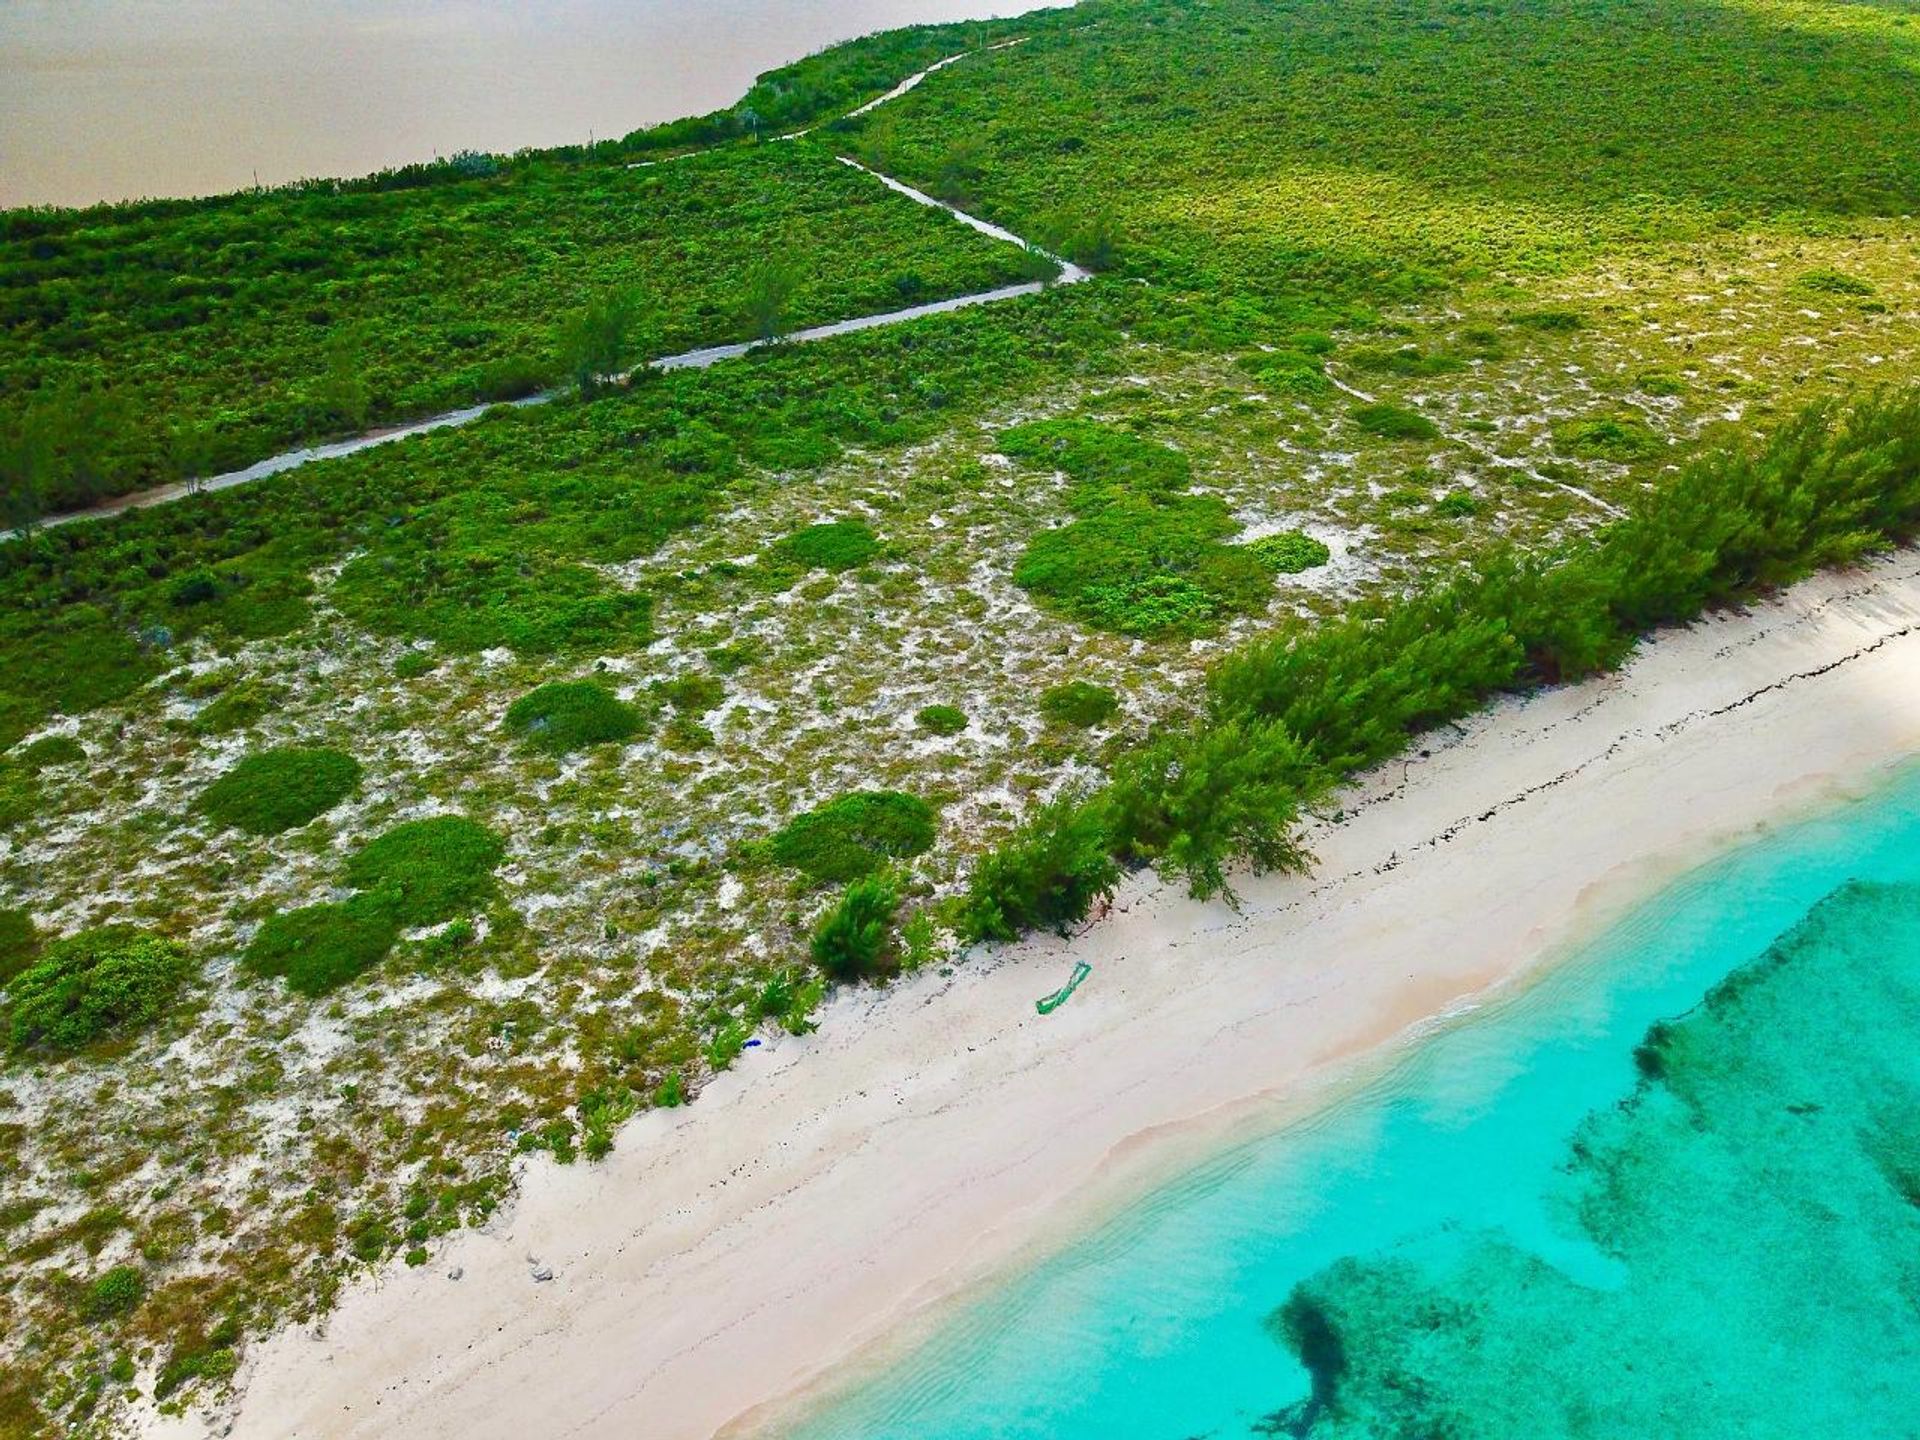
(19, 943)
(832, 545)
(478, 597)
(570, 715)
(427, 871)
(51, 750)
(279, 790)
(114, 1293)
(942, 719)
(1145, 568)
(321, 947)
(1079, 704)
(1394, 422)
(854, 940)
(94, 984)
(1289, 552)
(853, 835)
(1619, 438)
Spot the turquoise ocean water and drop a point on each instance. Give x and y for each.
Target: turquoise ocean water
(1161, 1324)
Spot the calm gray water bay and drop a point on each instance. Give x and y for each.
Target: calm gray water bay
(112, 99)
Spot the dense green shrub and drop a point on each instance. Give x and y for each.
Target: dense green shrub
(49, 751)
(1147, 569)
(19, 795)
(1102, 462)
(1079, 704)
(1046, 875)
(1609, 437)
(941, 719)
(19, 942)
(854, 940)
(244, 703)
(852, 835)
(94, 985)
(427, 871)
(833, 545)
(113, 1293)
(693, 693)
(1394, 422)
(571, 714)
(1143, 557)
(1289, 552)
(492, 595)
(278, 790)
(321, 947)
(1289, 715)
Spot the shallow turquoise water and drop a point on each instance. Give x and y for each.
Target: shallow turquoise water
(1158, 1326)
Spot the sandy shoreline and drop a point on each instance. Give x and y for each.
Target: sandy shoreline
(832, 1191)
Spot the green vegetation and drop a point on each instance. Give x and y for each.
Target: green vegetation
(49, 751)
(1046, 876)
(1394, 422)
(853, 835)
(236, 708)
(569, 715)
(19, 943)
(113, 1294)
(1609, 437)
(321, 947)
(832, 545)
(1289, 552)
(428, 871)
(1079, 704)
(332, 309)
(941, 719)
(1288, 716)
(854, 940)
(1144, 557)
(278, 790)
(1504, 227)
(93, 986)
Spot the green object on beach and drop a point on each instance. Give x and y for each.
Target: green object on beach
(1060, 997)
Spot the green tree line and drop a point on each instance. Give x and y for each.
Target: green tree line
(1287, 718)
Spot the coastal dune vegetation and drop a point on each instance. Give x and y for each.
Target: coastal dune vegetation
(373, 828)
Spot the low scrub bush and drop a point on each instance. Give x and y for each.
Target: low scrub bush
(853, 835)
(833, 545)
(693, 693)
(19, 942)
(1289, 552)
(1078, 704)
(1103, 462)
(1620, 438)
(428, 871)
(319, 948)
(941, 719)
(240, 705)
(279, 790)
(50, 751)
(1047, 875)
(1394, 422)
(485, 595)
(1146, 569)
(94, 985)
(1288, 716)
(113, 1293)
(854, 940)
(570, 715)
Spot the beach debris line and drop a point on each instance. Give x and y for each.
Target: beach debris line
(1047, 1004)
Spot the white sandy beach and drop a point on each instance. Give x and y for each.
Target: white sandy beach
(832, 1192)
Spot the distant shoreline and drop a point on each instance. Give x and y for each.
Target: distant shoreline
(196, 101)
(829, 1199)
